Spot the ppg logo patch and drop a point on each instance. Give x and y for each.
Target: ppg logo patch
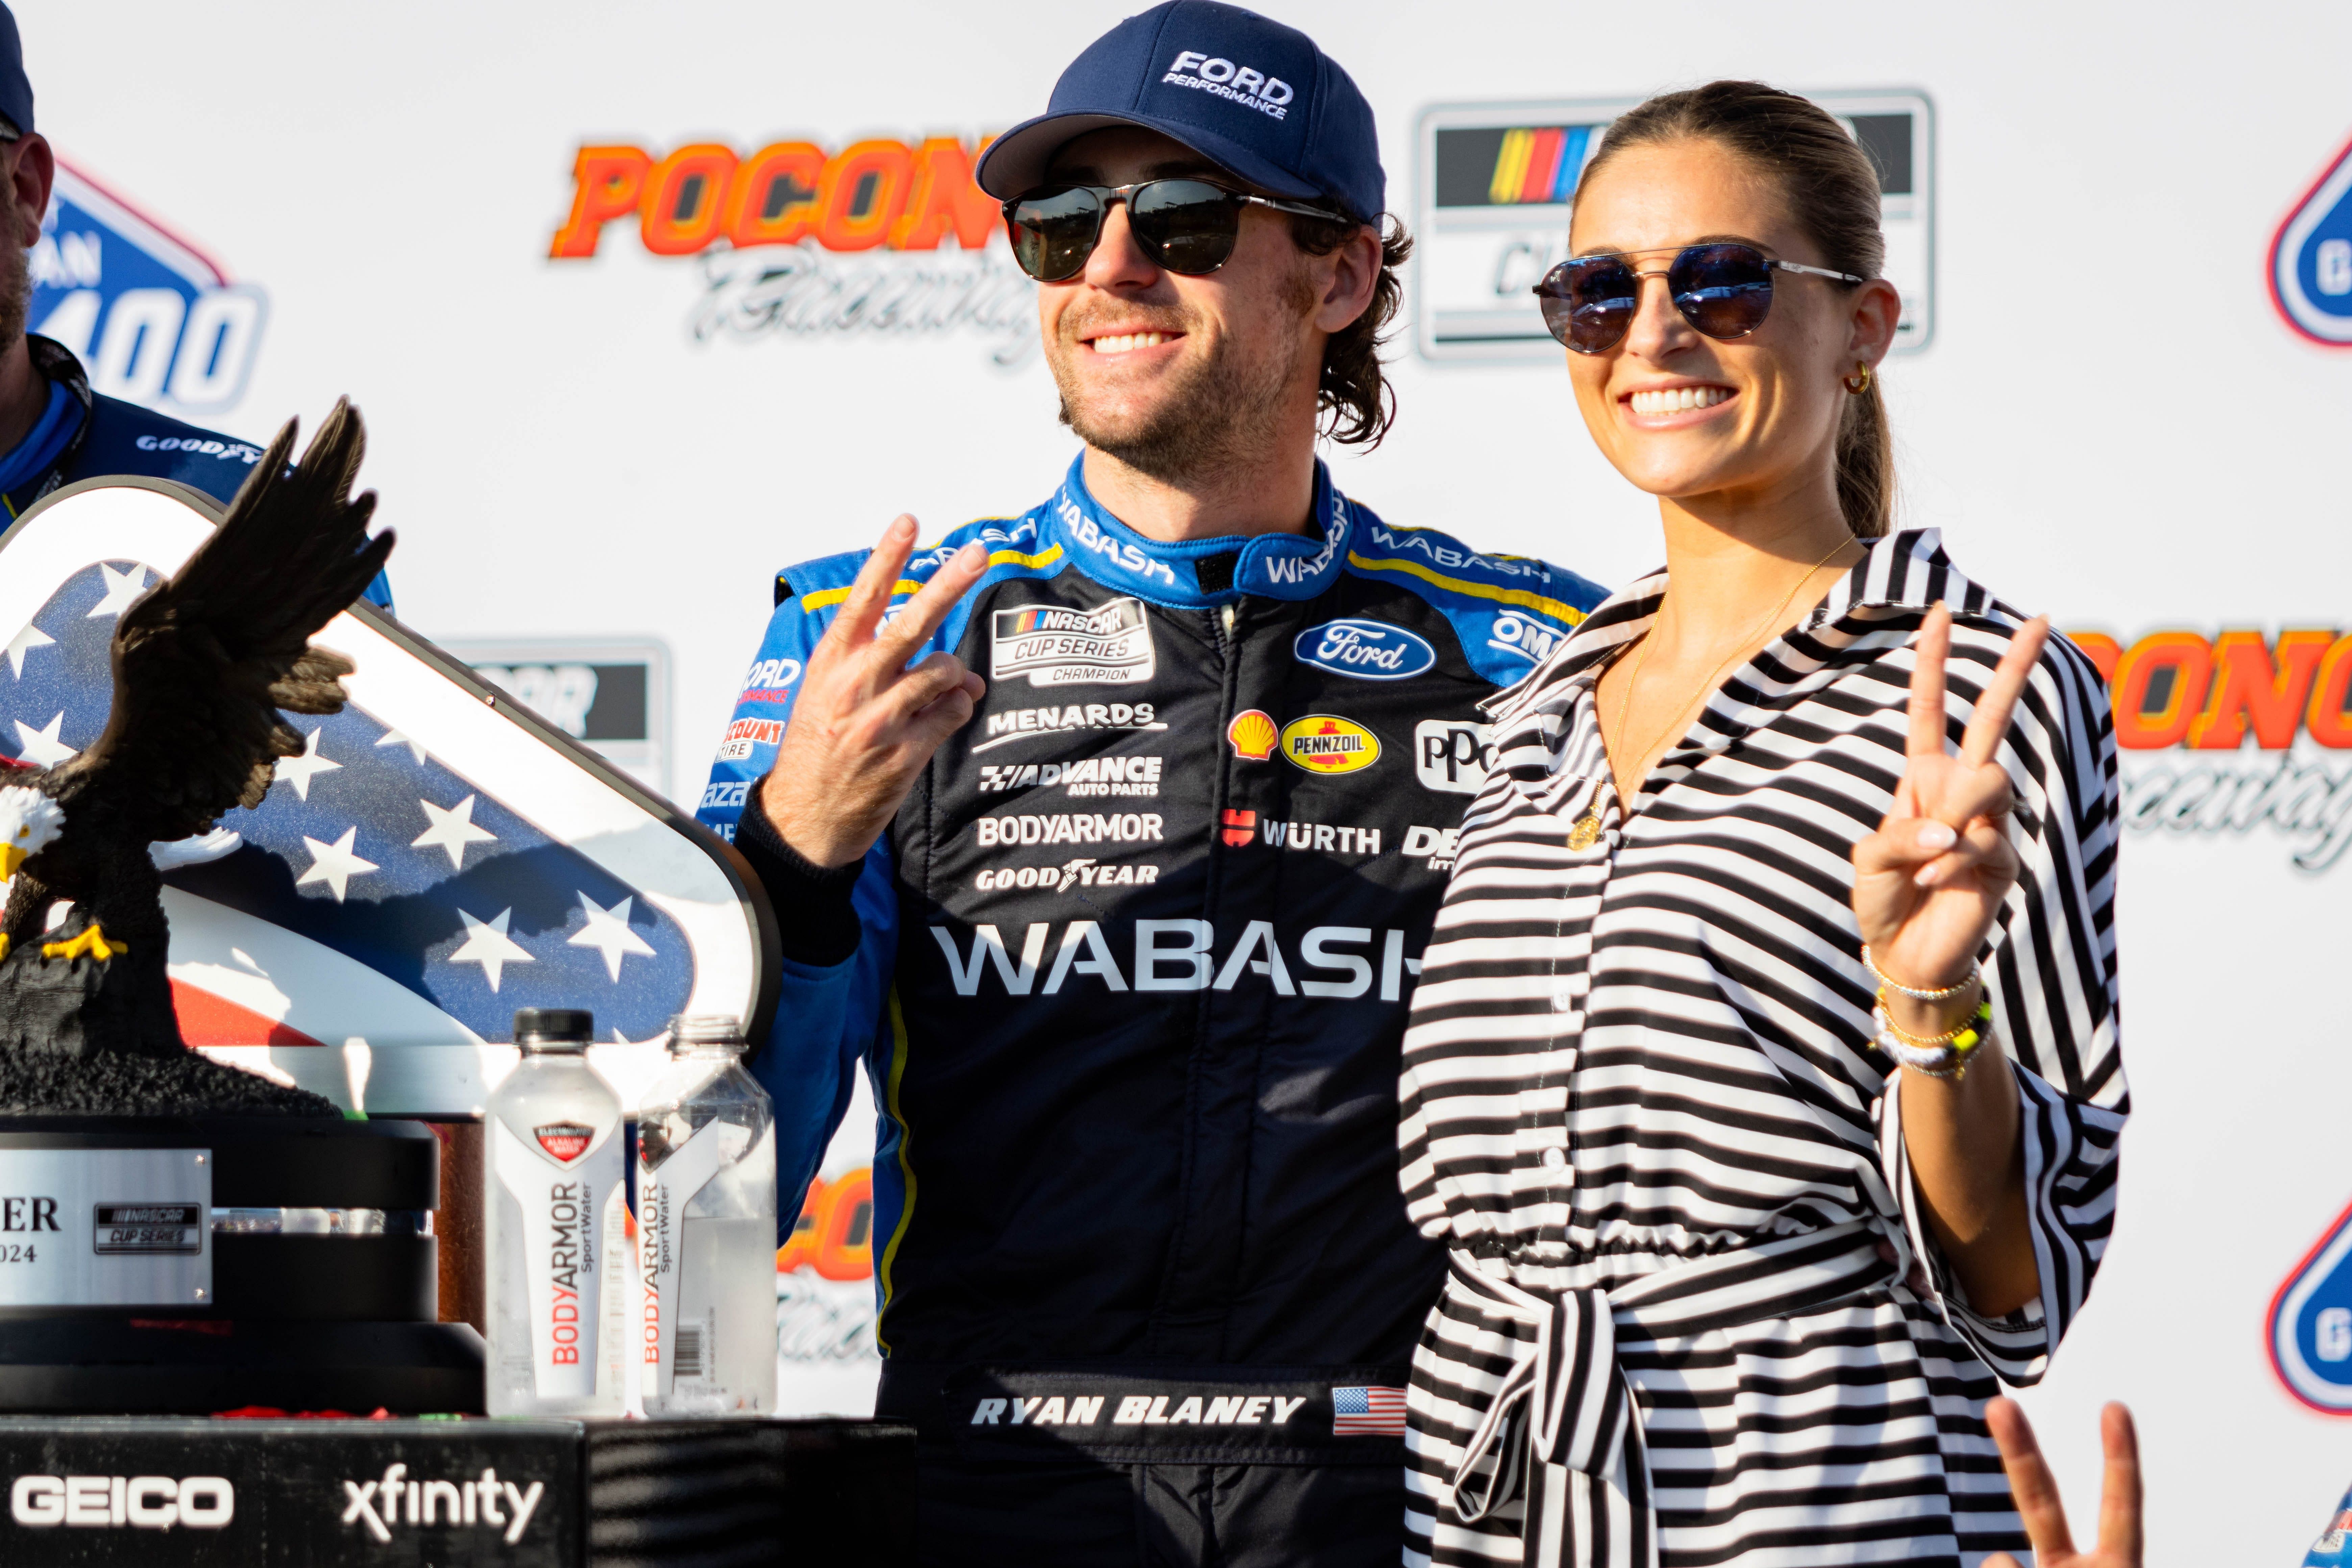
(2311, 260)
(1368, 650)
(156, 322)
(2311, 1324)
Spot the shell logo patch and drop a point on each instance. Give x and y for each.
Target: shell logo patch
(1253, 735)
(1325, 743)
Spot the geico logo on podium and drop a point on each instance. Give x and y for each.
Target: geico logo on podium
(2243, 727)
(154, 319)
(795, 240)
(122, 1502)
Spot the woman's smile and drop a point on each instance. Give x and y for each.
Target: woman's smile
(1677, 406)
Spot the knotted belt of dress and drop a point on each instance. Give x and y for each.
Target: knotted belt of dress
(1563, 1432)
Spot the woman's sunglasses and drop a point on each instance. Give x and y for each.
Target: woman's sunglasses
(1182, 226)
(1722, 290)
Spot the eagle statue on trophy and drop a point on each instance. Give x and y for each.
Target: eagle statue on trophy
(203, 665)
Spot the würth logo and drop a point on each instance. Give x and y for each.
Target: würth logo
(1241, 84)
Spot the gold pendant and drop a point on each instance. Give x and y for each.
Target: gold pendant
(1586, 833)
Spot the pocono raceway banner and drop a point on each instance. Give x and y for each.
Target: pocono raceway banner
(645, 302)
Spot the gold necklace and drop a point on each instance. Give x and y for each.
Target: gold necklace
(1587, 829)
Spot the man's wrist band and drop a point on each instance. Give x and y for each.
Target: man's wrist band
(1975, 973)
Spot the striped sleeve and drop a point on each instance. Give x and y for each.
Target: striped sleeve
(2050, 974)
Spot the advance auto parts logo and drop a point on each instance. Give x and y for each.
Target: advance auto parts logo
(2247, 728)
(794, 241)
(154, 319)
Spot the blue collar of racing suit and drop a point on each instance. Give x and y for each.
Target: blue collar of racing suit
(1273, 565)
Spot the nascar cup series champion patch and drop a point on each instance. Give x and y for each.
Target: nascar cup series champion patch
(437, 856)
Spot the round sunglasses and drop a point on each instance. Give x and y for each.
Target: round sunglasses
(1724, 290)
(1182, 226)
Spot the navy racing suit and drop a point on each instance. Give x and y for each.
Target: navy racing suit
(1129, 975)
(82, 435)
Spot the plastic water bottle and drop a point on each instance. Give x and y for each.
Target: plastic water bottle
(707, 1230)
(554, 1229)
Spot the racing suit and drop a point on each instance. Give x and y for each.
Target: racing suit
(82, 435)
(1128, 973)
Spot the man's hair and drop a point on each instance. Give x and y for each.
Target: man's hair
(1359, 399)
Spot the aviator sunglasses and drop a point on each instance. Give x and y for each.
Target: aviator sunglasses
(1724, 290)
(1182, 226)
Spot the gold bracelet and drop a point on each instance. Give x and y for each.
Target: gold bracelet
(1980, 1014)
(1947, 994)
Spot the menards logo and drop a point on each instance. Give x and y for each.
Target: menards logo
(775, 228)
(2201, 699)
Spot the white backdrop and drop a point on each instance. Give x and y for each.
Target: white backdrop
(2111, 421)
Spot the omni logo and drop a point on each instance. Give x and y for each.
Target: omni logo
(1250, 87)
(117, 1502)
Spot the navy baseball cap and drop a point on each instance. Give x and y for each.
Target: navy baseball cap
(1252, 96)
(16, 88)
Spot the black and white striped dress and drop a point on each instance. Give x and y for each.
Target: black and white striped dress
(1694, 1315)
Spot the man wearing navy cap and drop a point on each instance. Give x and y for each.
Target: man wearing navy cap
(1109, 837)
(53, 429)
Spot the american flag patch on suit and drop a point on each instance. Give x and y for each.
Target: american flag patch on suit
(436, 858)
(1368, 1412)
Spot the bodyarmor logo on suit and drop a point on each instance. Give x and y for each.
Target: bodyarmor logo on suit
(1326, 743)
(1059, 645)
(1451, 755)
(1368, 650)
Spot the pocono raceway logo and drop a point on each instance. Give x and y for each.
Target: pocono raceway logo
(153, 319)
(2246, 726)
(794, 241)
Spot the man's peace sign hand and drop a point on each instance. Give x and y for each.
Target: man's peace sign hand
(1928, 883)
(866, 724)
(2030, 1483)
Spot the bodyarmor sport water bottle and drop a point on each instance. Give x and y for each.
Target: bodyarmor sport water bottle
(554, 1226)
(707, 1230)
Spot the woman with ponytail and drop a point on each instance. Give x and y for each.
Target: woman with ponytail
(1763, 1079)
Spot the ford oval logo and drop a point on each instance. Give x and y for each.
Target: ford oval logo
(1368, 650)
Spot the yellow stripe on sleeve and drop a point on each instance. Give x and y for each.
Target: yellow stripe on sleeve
(906, 1136)
(825, 598)
(1557, 609)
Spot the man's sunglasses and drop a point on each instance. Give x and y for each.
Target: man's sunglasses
(1724, 290)
(1182, 226)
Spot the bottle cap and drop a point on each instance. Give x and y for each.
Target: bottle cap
(553, 1028)
(688, 1030)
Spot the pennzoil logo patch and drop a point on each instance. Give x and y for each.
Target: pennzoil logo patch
(1326, 743)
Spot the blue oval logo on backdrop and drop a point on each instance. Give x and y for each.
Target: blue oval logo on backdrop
(2311, 259)
(1368, 650)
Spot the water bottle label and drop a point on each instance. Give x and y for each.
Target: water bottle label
(663, 1194)
(565, 1184)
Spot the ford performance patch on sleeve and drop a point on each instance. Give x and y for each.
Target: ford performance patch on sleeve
(1061, 645)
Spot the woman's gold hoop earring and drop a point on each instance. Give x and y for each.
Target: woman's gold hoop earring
(1859, 382)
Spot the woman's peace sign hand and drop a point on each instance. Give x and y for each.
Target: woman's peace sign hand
(1928, 883)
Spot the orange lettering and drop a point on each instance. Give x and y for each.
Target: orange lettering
(835, 1235)
(684, 198)
(2171, 669)
(2100, 649)
(864, 191)
(2251, 683)
(772, 200)
(606, 184)
(2326, 720)
(946, 200)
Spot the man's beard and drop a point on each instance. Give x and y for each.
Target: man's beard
(1218, 413)
(15, 293)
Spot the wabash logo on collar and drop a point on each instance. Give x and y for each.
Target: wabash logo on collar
(567, 1140)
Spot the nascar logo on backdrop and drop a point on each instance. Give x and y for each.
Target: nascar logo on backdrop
(2203, 703)
(1493, 182)
(2311, 259)
(156, 321)
(793, 240)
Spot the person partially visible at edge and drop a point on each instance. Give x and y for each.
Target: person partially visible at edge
(1123, 932)
(54, 429)
(1763, 1080)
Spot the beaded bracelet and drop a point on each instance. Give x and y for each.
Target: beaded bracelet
(1943, 1055)
(1947, 994)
